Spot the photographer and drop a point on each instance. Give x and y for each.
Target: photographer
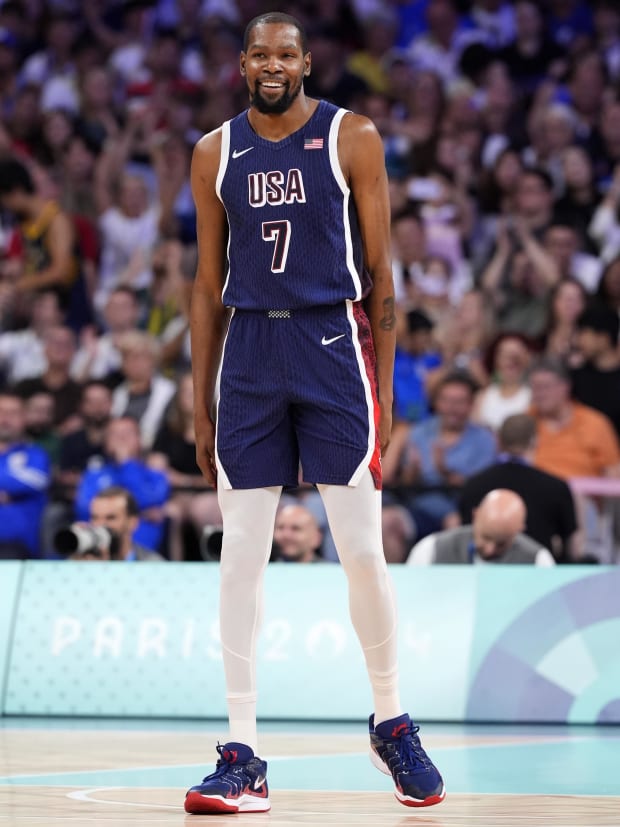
(115, 510)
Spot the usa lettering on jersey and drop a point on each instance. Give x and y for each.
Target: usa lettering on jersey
(276, 187)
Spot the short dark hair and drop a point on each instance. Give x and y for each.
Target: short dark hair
(516, 433)
(274, 17)
(418, 320)
(601, 319)
(550, 364)
(14, 176)
(111, 491)
(458, 376)
(543, 176)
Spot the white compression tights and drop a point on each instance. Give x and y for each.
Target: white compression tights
(354, 516)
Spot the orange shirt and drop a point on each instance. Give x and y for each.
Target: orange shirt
(584, 447)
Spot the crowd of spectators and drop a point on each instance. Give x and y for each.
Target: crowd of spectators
(501, 126)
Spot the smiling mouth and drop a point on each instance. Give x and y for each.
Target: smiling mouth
(271, 84)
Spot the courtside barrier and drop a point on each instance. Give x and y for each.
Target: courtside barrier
(484, 643)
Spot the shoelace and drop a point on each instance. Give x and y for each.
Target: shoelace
(410, 749)
(222, 766)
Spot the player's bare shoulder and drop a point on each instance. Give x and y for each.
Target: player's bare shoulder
(359, 144)
(206, 157)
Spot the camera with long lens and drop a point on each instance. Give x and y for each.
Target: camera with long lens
(83, 539)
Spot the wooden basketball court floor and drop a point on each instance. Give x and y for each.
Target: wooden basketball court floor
(134, 773)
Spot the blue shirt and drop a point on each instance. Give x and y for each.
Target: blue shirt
(410, 398)
(24, 479)
(149, 487)
(473, 451)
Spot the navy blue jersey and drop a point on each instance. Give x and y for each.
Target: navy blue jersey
(294, 239)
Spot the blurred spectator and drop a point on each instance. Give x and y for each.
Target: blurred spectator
(22, 352)
(551, 519)
(124, 466)
(168, 317)
(379, 32)
(608, 292)
(192, 504)
(463, 337)
(585, 93)
(330, 78)
(430, 290)
(605, 225)
(551, 132)
(570, 22)
(78, 450)
(409, 251)
(84, 448)
(508, 392)
(494, 536)
(572, 439)
(24, 481)
(99, 119)
(144, 393)
(608, 155)
(77, 167)
(128, 215)
(566, 302)
(418, 110)
(439, 49)
(126, 42)
(297, 536)
(415, 356)
(497, 194)
(596, 383)
(580, 196)
(606, 20)
(448, 219)
(171, 158)
(519, 278)
(440, 453)
(56, 378)
(116, 509)
(533, 55)
(24, 120)
(566, 246)
(99, 356)
(52, 68)
(48, 237)
(398, 531)
(39, 420)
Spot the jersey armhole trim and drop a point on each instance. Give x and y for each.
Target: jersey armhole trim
(224, 153)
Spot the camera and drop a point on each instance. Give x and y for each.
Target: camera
(211, 542)
(85, 539)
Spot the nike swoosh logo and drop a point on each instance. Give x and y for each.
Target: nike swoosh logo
(259, 782)
(237, 153)
(325, 341)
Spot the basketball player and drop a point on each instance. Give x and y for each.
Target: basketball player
(293, 229)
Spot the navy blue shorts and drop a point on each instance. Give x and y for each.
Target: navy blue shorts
(298, 387)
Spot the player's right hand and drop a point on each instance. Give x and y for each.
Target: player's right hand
(205, 449)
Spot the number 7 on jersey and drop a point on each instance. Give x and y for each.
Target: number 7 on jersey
(280, 233)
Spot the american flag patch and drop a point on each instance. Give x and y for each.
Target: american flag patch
(313, 143)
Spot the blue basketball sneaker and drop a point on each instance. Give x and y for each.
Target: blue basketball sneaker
(395, 749)
(238, 785)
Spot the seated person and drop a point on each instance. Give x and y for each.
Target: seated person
(494, 536)
(551, 517)
(297, 536)
(440, 453)
(25, 476)
(116, 510)
(124, 466)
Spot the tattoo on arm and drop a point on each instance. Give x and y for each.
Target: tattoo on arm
(388, 320)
